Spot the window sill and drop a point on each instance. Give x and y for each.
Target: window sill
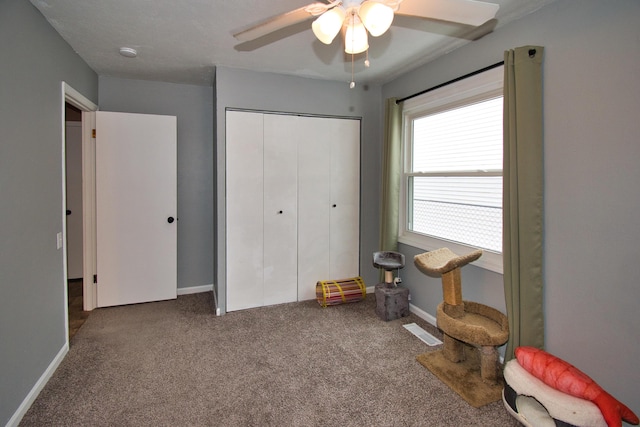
(491, 261)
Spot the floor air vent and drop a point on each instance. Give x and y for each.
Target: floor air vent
(425, 336)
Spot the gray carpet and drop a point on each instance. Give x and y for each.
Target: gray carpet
(174, 363)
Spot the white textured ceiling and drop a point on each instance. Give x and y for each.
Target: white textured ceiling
(181, 41)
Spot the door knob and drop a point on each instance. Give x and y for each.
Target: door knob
(334, 205)
(170, 219)
(279, 212)
(68, 212)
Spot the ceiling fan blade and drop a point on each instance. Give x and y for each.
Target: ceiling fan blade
(469, 12)
(278, 22)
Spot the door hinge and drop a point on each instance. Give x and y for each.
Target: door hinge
(93, 133)
(95, 278)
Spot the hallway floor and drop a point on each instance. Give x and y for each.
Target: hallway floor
(76, 315)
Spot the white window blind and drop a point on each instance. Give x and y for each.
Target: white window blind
(453, 166)
(465, 138)
(457, 190)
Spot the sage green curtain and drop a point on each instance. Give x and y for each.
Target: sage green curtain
(391, 176)
(523, 197)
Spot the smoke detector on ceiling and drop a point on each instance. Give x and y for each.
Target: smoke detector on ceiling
(129, 52)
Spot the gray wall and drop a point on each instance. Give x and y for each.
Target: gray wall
(193, 106)
(35, 60)
(271, 92)
(591, 104)
(591, 251)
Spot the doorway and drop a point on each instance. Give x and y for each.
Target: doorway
(75, 104)
(73, 219)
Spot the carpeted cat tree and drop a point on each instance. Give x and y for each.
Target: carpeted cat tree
(469, 361)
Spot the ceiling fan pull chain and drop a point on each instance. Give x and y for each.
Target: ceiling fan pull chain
(353, 82)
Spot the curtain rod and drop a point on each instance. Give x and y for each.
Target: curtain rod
(473, 73)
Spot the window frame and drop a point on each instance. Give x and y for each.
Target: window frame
(482, 86)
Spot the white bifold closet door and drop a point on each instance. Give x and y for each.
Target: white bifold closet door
(245, 207)
(329, 202)
(292, 205)
(261, 211)
(280, 214)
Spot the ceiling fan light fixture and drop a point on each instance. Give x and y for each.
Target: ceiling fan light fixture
(376, 17)
(328, 25)
(355, 39)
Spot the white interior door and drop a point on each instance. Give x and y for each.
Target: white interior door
(329, 202)
(245, 207)
(280, 209)
(314, 205)
(136, 208)
(345, 198)
(288, 206)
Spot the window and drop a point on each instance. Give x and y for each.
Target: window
(452, 183)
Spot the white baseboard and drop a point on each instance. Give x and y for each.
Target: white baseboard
(37, 388)
(195, 289)
(422, 314)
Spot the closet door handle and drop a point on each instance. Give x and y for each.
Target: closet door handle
(279, 212)
(334, 205)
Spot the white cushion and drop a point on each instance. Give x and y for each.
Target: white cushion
(561, 406)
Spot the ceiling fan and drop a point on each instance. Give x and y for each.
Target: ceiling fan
(359, 18)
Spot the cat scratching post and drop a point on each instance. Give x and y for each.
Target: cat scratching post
(464, 321)
(392, 302)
